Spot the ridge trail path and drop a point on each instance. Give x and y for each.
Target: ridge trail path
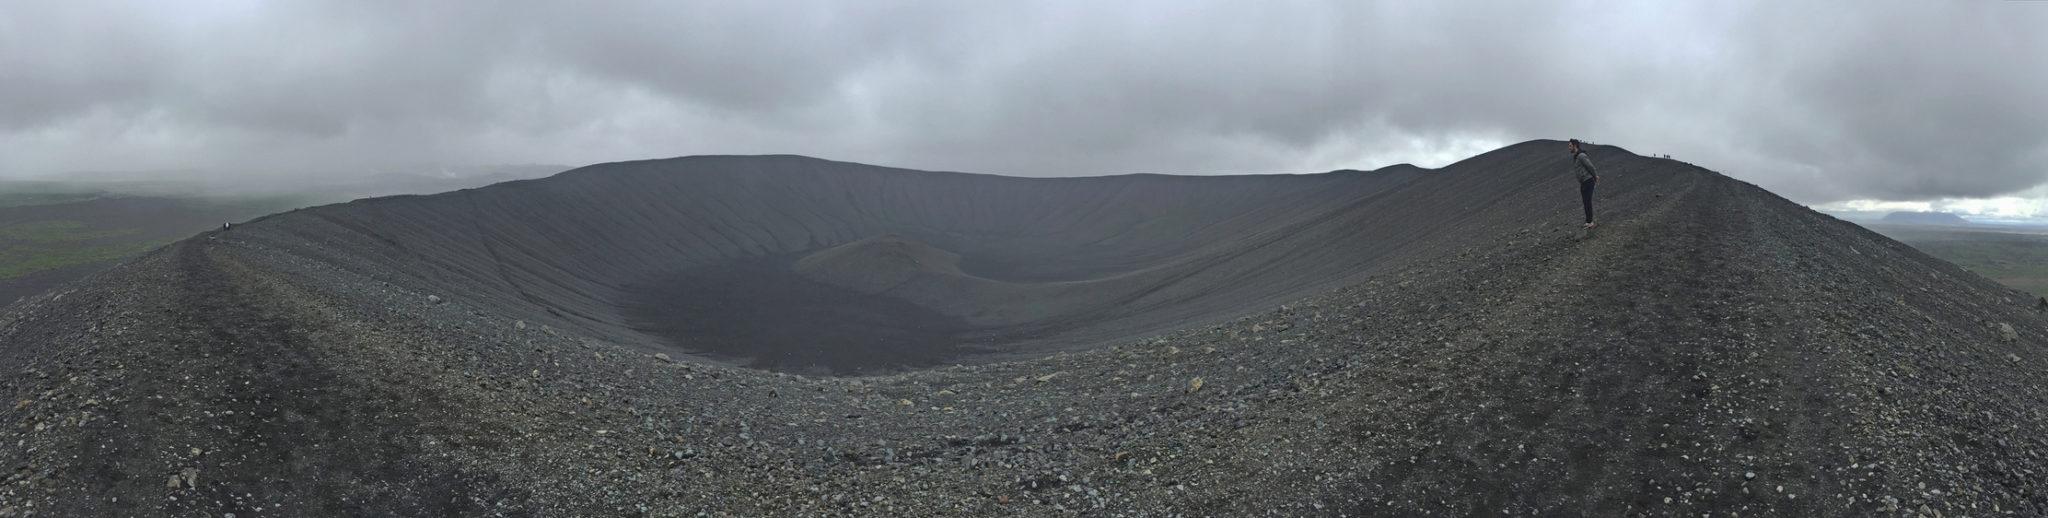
(253, 407)
(1587, 325)
(1694, 344)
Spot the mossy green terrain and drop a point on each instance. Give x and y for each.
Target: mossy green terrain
(49, 236)
(36, 246)
(2016, 259)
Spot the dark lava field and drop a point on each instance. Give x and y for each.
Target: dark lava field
(789, 336)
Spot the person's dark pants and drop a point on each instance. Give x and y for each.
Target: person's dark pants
(1586, 195)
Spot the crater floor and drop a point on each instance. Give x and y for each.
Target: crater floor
(765, 315)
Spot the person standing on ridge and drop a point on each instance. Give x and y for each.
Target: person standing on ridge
(1588, 177)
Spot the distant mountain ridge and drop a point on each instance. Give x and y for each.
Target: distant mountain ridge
(327, 187)
(1925, 218)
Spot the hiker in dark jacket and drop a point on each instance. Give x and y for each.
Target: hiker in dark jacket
(1588, 177)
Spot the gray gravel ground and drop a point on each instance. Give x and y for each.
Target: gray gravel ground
(1714, 349)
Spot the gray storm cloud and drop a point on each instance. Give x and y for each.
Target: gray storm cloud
(1821, 102)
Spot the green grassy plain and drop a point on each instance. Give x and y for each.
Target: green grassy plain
(35, 246)
(2019, 260)
(47, 226)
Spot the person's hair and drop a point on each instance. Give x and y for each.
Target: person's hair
(1576, 146)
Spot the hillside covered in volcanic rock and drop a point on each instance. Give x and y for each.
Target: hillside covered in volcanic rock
(779, 335)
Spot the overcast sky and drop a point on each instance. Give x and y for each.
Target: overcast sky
(1821, 102)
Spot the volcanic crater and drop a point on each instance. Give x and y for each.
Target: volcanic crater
(804, 265)
(790, 336)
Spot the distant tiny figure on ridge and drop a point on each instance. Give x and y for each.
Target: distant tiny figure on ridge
(1588, 177)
